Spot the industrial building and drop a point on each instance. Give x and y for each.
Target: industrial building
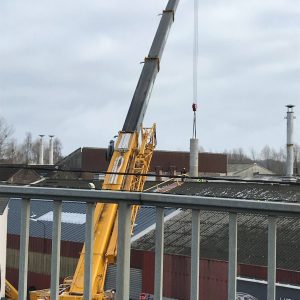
(247, 171)
(233, 244)
(163, 162)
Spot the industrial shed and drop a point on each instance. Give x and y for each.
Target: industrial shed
(94, 160)
(247, 171)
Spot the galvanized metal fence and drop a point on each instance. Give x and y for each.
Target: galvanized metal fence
(160, 201)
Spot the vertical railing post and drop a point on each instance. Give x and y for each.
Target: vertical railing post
(232, 261)
(195, 253)
(159, 254)
(24, 242)
(272, 226)
(55, 254)
(88, 255)
(123, 262)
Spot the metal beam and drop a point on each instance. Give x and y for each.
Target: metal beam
(55, 254)
(123, 262)
(232, 261)
(154, 199)
(88, 255)
(23, 257)
(272, 228)
(159, 254)
(220, 204)
(195, 253)
(139, 103)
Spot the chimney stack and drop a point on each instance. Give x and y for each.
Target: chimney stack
(41, 155)
(51, 149)
(194, 152)
(290, 142)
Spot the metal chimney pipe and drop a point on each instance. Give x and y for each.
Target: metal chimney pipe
(194, 152)
(290, 141)
(51, 149)
(41, 154)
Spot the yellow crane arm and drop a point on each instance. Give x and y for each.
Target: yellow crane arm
(105, 216)
(128, 157)
(10, 292)
(135, 160)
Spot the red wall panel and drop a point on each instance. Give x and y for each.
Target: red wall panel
(40, 245)
(176, 281)
(36, 280)
(260, 272)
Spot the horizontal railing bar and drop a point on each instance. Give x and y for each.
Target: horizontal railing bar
(221, 204)
(65, 194)
(153, 199)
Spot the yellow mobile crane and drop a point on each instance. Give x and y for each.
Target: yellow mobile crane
(132, 155)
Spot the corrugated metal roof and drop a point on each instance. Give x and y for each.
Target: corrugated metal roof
(7, 171)
(3, 204)
(252, 238)
(38, 208)
(70, 231)
(73, 183)
(240, 190)
(232, 168)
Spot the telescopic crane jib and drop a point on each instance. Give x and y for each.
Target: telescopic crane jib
(129, 157)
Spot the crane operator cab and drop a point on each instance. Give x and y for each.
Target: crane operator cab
(110, 150)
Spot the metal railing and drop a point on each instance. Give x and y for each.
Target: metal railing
(160, 201)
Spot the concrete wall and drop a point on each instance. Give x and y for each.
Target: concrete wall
(3, 235)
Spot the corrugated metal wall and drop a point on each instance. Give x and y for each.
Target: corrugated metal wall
(176, 282)
(213, 274)
(260, 273)
(135, 281)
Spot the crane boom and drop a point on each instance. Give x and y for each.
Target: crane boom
(130, 156)
(139, 103)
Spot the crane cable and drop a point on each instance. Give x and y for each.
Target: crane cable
(195, 66)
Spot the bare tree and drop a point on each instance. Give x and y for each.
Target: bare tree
(5, 136)
(201, 149)
(35, 150)
(11, 152)
(265, 153)
(237, 155)
(57, 150)
(25, 150)
(28, 151)
(253, 153)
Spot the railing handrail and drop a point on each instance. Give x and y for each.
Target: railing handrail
(275, 208)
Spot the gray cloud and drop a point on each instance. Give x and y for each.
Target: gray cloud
(70, 68)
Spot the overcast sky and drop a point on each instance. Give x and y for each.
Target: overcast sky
(70, 68)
